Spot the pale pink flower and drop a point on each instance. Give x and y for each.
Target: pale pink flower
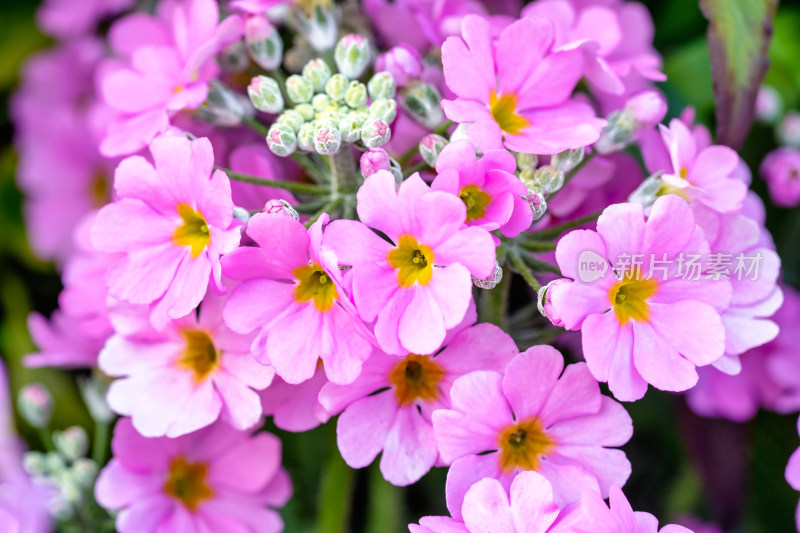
(533, 417)
(296, 408)
(217, 479)
(388, 408)
(645, 320)
(781, 171)
(172, 221)
(515, 91)
(416, 286)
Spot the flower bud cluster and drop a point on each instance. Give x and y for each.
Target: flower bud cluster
(329, 109)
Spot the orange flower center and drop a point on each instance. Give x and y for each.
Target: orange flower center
(523, 444)
(200, 355)
(416, 376)
(187, 483)
(476, 201)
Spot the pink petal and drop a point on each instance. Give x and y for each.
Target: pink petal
(410, 448)
(658, 363)
(486, 508)
(363, 428)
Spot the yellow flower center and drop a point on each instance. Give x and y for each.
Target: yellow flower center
(194, 230)
(200, 355)
(523, 444)
(476, 201)
(313, 283)
(413, 261)
(187, 483)
(98, 189)
(629, 298)
(504, 112)
(416, 376)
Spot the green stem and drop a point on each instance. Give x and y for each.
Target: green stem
(303, 188)
(523, 270)
(308, 165)
(331, 206)
(256, 126)
(416, 168)
(540, 266)
(406, 157)
(441, 130)
(100, 442)
(47, 439)
(344, 175)
(336, 495)
(538, 246)
(385, 504)
(493, 303)
(577, 168)
(555, 231)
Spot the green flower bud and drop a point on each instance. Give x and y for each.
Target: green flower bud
(336, 87)
(549, 179)
(526, 161)
(223, 107)
(356, 95)
(298, 89)
(422, 101)
(292, 118)
(265, 94)
(430, 147)
(327, 140)
(305, 137)
(568, 159)
(318, 73)
(264, 43)
(375, 132)
(71, 443)
(384, 109)
(352, 55)
(381, 85)
(281, 140)
(35, 404)
(320, 29)
(350, 128)
(320, 102)
(306, 111)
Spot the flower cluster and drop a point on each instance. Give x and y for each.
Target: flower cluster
(241, 266)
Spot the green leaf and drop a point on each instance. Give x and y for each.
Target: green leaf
(739, 33)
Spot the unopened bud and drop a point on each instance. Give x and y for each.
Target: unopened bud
(384, 109)
(544, 302)
(336, 87)
(318, 73)
(280, 208)
(94, 391)
(356, 95)
(320, 29)
(298, 89)
(350, 128)
(548, 179)
(224, 107)
(35, 405)
(375, 132)
(281, 140)
(233, 58)
(352, 55)
(430, 147)
(526, 161)
(567, 160)
(491, 282)
(71, 443)
(789, 130)
(320, 102)
(265, 94)
(84, 472)
(264, 44)
(618, 132)
(769, 104)
(35, 463)
(59, 508)
(403, 62)
(537, 202)
(305, 137)
(306, 111)
(291, 118)
(327, 140)
(648, 108)
(374, 160)
(241, 214)
(381, 85)
(647, 192)
(423, 103)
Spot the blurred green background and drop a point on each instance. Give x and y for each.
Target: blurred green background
(744, 464)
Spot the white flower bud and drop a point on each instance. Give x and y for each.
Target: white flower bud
(423, 103)
(336, 87)
(384, 109)
(71, 443)
(430, 147)
(298, 89)
(375, 133)
(318, 73)
(352, 55)
(265, 94)
(350, 128)
(281, 140)
(280, 208)
(35, 405)
(320, 29)
(327, 140)
(356, 95)
(305, 137)
(491, 282)
(264, 44)
(568, 159)
(381, 85)
(292, 118)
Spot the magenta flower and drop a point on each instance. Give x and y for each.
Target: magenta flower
(515, 91)
(494, 196)
(164, 65)
(217, 479)
(403, 62)
(703, 175)
(526, 507)
(172, 221)
(388, 408)
(296, 408)
(646, 315)
(418, 285)
(593, 516)
(793, 475)
(183, 378)
(291, 293)
(781, 170)
(533, 418)
(60, 19)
